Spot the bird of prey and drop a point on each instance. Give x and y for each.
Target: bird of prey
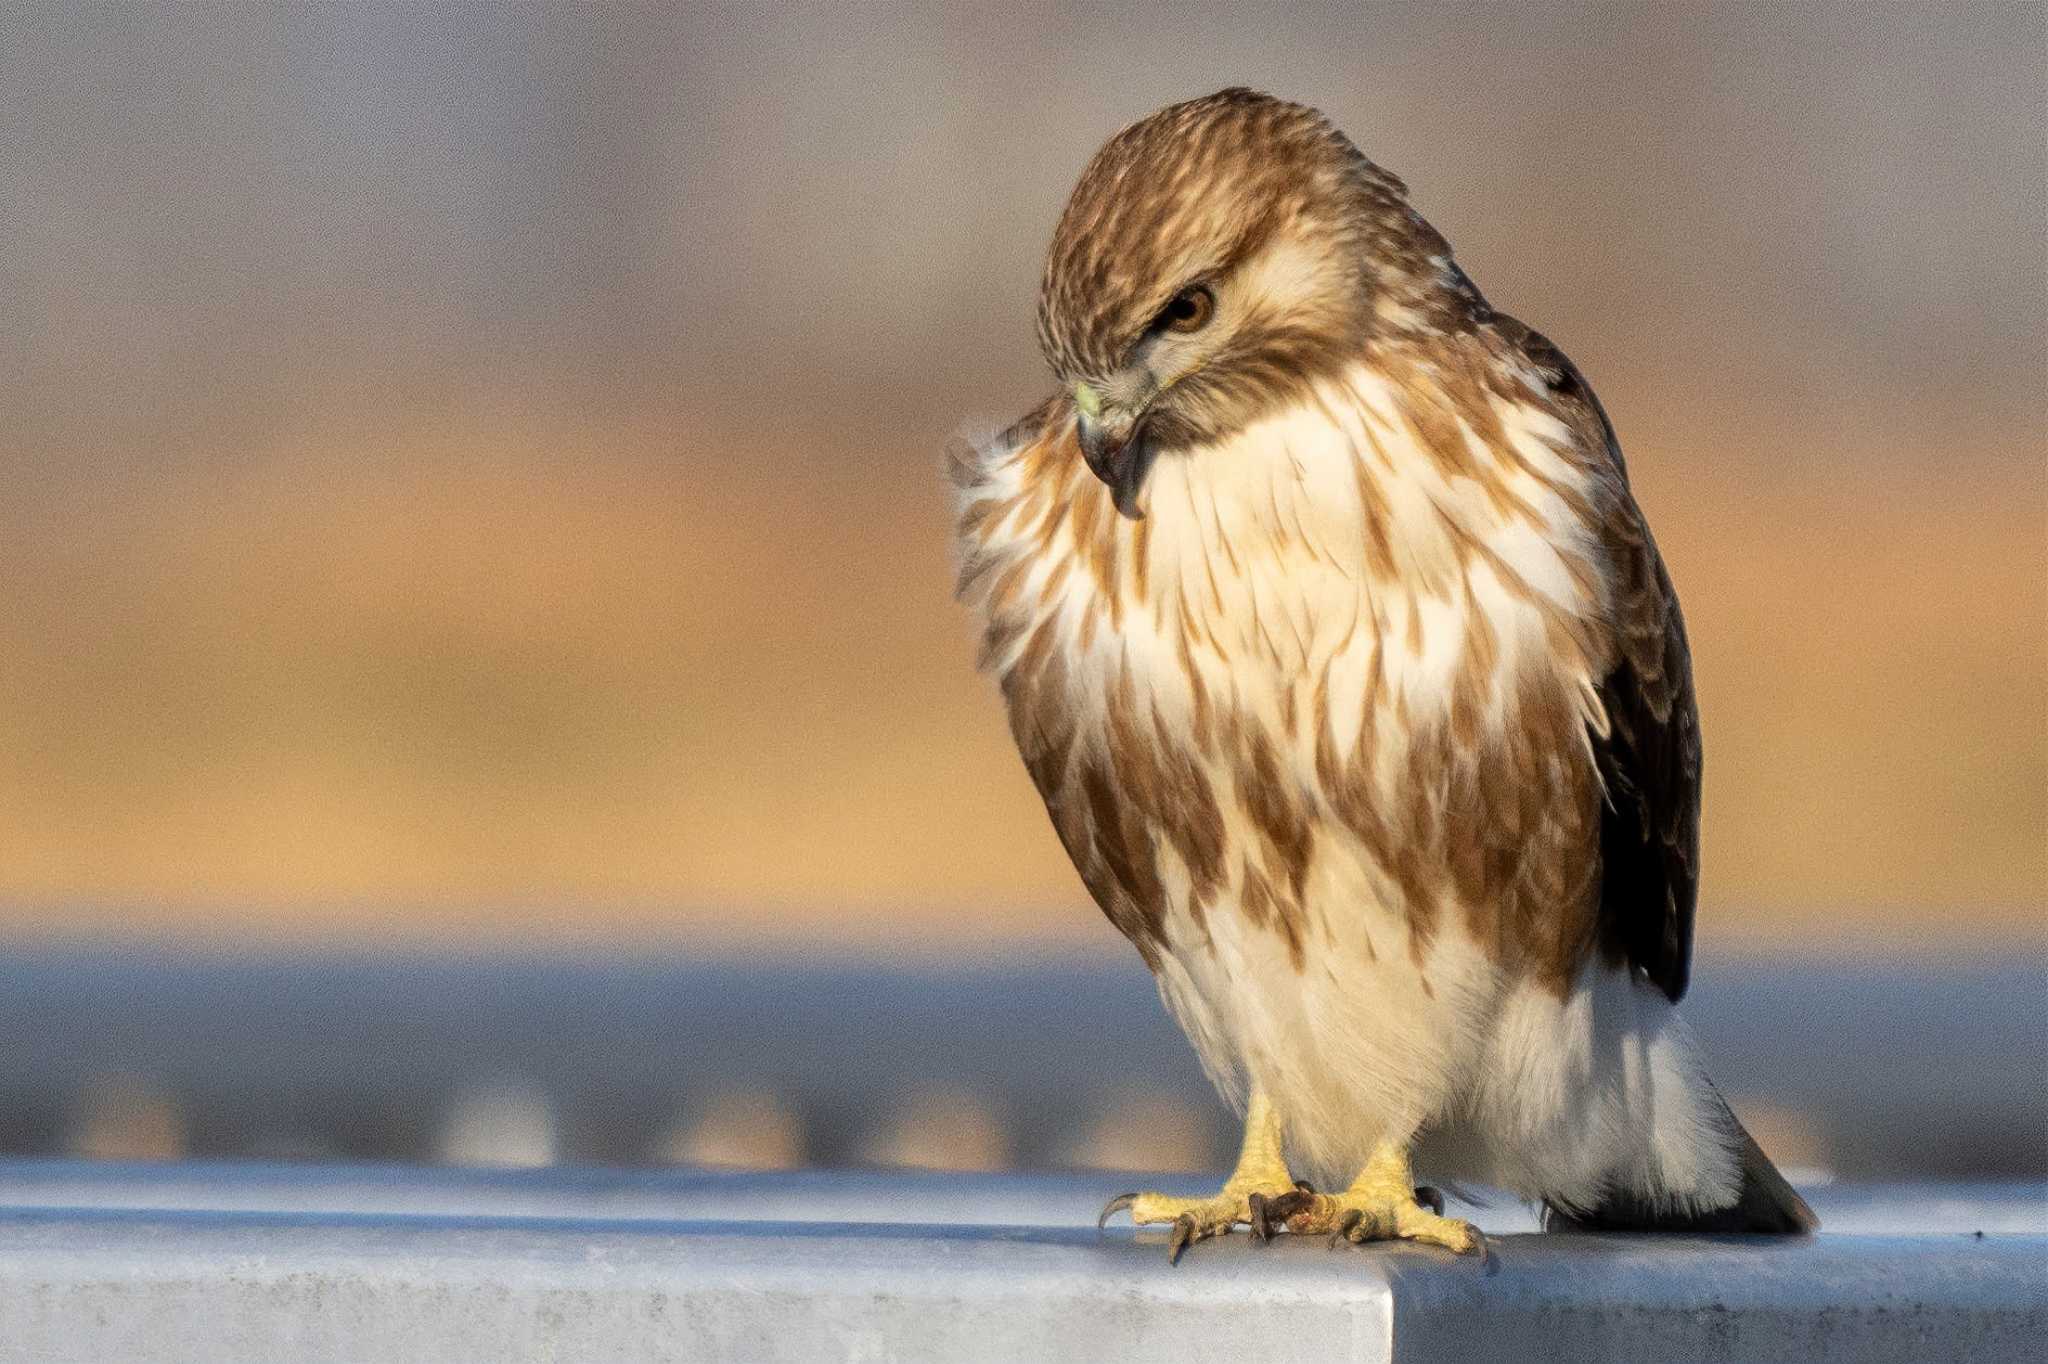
(1339, 650)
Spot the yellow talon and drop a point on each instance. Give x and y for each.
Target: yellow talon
(1382, 1205)
(1260, 1177)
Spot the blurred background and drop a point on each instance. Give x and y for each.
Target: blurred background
(477, 674)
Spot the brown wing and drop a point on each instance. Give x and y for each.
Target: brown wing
(1650, 757)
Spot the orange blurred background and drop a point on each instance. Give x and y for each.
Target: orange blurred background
(474, 471)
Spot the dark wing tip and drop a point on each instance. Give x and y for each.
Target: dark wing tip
(1649, 759)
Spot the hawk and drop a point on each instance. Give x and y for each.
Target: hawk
(1339, 650)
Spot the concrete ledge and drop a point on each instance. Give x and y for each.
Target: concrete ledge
(567, 1264)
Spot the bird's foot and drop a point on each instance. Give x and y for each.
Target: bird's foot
(1249, 1201)
(1379, 1210)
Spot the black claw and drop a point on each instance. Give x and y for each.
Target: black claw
(1262, 1229)
(1183, 1235)
(1304, 1186)
(1280, 1207)
(1120, 1203)
(1345, 1225)
(1431, 1197)
(1479, 1246)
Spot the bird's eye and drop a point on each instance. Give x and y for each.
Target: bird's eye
(1189, 311)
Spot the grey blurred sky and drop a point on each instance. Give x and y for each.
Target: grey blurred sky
(230, 224)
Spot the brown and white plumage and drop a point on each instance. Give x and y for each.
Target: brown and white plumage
(1337, 646)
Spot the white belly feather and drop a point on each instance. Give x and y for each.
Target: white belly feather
(1256, 552)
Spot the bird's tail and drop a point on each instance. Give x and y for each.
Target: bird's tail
(1767, 1202)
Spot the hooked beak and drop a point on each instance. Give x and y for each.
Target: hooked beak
(1118, 452)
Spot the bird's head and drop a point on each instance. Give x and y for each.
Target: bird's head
(1215, 259)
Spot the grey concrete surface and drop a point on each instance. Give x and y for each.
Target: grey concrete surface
(878, 1196)
(329, 1263)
